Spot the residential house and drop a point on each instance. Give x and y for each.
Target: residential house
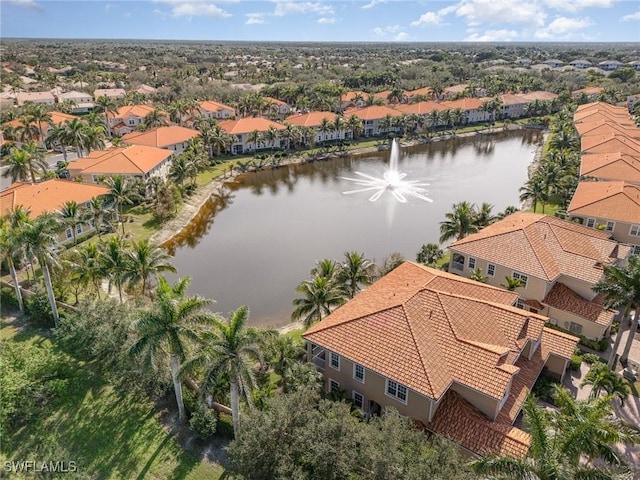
(613, 142)
(137, 161)
(278, 109)
(611, 206)
(49, 197)
(373, 119)
(631, 101)
(609, 65)
(455, 90)
(217, 110)
(611, 166)
(316, 120)
(557, 261)
(472, 108)
(147, 90)
(421, 92)
(599, 107)
(128, 118)
(45, 98)
(242, 132)
(423, 109)
(451, 354)
(173, 137)
(553, 63)
(581, 64)
(593, 116)
(382, 97)
(635, 64)
(83, 102)
(112, 93)
(355, 99)
(592, 93)
(587, 129)
(57, 118)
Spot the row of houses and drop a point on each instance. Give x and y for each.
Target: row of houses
(459, 356)
(582, 64)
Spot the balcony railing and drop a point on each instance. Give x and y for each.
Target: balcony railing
(457, 266)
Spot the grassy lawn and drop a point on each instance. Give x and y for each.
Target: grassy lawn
(109, 435)
(549, 208)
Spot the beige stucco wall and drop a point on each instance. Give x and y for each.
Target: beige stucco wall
(621, 230)
(484, 403)
(582, 288)
(556, 365)
(589, 329)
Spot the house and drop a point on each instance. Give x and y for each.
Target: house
(454, 90)
(57, 118)
(147, 90)
(611, 206)
(472, 108)
(613, 142)
(557, 261)
(83, 102)
(591, 93)
(374, 118)
(49, 197)
(513, 105)
(126, 119)
(452, 354)
(242, 132)
(581, 64)
(137, 161)
(631, 101)
(173, 138)
(423, 109)
(45, 98)
(594, 116)
(609, 65)
(355, 99)
(322, 123)
(278, 108)
(599, 107)
(586, 129)
(553, 63)
(112, 93)
(219, 111)
(635, 64)
(611, 166)
(418, 92)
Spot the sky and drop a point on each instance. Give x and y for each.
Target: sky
(326, 20)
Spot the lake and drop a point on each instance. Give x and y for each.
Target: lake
(257, 242)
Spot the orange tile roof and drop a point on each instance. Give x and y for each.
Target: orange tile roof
(512, 99)
(382, 95)
(456, 88)
(34, 96)
(57, 118)
(133, 160)
(127, 111)
(611, 166)
(608, 127)
(418, 91)
(601, 106)
(349, 96)
(614, 142)
(564, 298)
(542, 246)
(109, 92)
(539, 95)
(603, 116)
(464, 103)
(47, 196)
(248, 125)
(212, 106)
(426, 329)
(276, 101)
(311, 119)
(421, 108)
(161, 136)
(619, 201)
(374, 112)
(587, 91)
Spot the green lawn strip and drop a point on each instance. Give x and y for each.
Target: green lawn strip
(444, 260)
(549, 208)
(296, 334)
(108, 434)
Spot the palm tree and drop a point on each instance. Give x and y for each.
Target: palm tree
(27, 131)
(114, 257)
(231, 349)
(120, 193)
(325, 128)
(535, 191)
(620, 286)
(38, 114)
(429, 254)
(76, 134)
(96, 213)
(88, 268)
(72, 217)
(355, 273)
(17, 164)
(39, 238)
(600, 377)
(320, 296)
(220, 139)
(512, 283)
(354, 123)
(94, 138)
(11, 247)
(145, 261)
(182, 167)
(107, 106)
(484, 216)
(478, 276)
(57, 138)
(167, 329)
(460, 222)
(155, 118)
(434, 119)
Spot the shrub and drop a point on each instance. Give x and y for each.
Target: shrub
(38, 307)
(597, 345)
(576, 361)
(203, 421)
(544, 387)
(225, 425)
(591, 358)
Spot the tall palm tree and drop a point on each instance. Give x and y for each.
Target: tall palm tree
(39, 114)
(534, 190)
(459, 223)
(484, 215)
(17, 164)
(167, 329)
(429, 254)
(76, 134)
(155, 118)
(72, 216)
(108, 108)
(325, 128)
(120, 193)
(57, 138)
(87, 268)
(182, 167)
(39, 238)
(600, 377)
(354, 123)
(113, 258)
(320, 296)
(96, 212)
(620, 286)
(94, 138)
(145, 261)
(10, 248)
(27, 130)
(355, 272)
(231, 349)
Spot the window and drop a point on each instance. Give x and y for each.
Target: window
(635, 231)
(523, 278)
(591, 222)
(575, 328)
(520, 303)
(79, 228)
(610, 226)
(358, 400)
(397, 391)
(95, 178)
(358, 372)
(491, 269)
(635, 249)
(335, 361)
(333, 386)
(472, 263)
(69, 233)
(457, 261)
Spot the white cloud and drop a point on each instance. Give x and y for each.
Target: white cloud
(326, 20)
(255, 18)
(286, 7)
(478, 12)
(394, 32)
(25, 3)
(576, 5)
(373, 3)
(401, 37)
(503, 35)
(196, 8)
(428, 19)
(632, 17)
(563, 28)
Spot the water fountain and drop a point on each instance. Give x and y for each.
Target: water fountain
(392, 181)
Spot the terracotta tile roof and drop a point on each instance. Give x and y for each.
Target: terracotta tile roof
(133, 160)
(614, 142)
(382, 95)
(459, 421)
(600, 107)
(276, 101)
(559, 343)
(456, 88)
(374, 112)
(109, 92)
(563, 298)
(22, 97)
(587, 91)
(425, 329)
(311, 119)
(127, 111)
(349, 96)
(608, 127)
(418, 91)
(512, 99)
(611, 166)
(212, 106)
(248, 125)
(47, 196)
(57, 118)
(421, 108)
(603, 116)
(161, 137)
(146, 89)
(539, 95)
(618, 201)
(542, 246)
(464, 103)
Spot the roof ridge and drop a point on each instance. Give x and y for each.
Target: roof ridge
(345, 322)
(535, 250)
(415, 343)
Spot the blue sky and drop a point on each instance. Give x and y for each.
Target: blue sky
(323, 20)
